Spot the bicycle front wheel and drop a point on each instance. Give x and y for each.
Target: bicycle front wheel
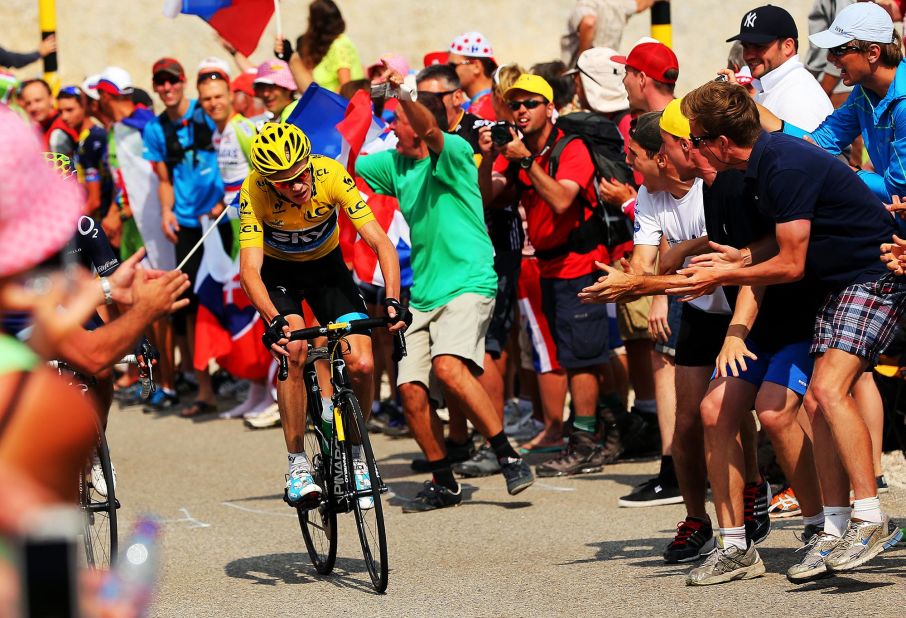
(100, 514)
(369, 515)
(319, 525)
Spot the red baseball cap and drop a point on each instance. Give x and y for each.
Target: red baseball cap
(243, 83)
(652, 59)
(437, 57)
(169, 65)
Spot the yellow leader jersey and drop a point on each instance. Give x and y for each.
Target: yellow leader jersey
(300, 232)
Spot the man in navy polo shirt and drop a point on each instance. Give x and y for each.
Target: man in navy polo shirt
(828, 227)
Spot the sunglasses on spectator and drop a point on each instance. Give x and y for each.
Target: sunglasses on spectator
(842, 50)
(287, 184)
(203, 77)
(453, 65)
(698, 140)
(529, 104)
(160, 80)
(439, 95)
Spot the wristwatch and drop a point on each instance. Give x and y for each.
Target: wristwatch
(526, 162)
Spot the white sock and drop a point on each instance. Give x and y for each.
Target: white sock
(733, 537)
(298, 461)
(648, 406)
(836, 520)
(867, 509)
(814, 520)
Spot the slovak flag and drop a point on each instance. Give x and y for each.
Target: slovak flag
(341, 129)
(228, 328)
(240, 22)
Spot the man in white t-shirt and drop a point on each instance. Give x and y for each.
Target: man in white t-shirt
(669, 209)
(232, 138)
(770, 42)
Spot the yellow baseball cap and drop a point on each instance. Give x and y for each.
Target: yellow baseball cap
(673, 121)
(531, 83)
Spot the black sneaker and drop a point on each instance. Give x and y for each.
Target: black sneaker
(653, 492)
(881, 482)
(582, 456)
(639, 433)
(482, 463)
(518, 476)
(433, 497)
(756, 499)
(694, 538)
(455, 454)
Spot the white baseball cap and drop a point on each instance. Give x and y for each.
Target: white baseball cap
(864, 21)
(115, 81)
(213, 64)
(602, 80)
(89, 86)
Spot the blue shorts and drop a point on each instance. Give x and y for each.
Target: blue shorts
(674, 320)
(613, 328)
(790, 366)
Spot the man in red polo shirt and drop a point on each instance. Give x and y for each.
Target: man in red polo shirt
(554, 201)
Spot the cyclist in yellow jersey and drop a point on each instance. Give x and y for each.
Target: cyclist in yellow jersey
(289, 252)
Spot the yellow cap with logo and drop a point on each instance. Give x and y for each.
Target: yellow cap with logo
(531, 83)
(673, 121)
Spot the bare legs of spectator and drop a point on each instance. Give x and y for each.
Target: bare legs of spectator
(464, 389)
(584, 388)
(778, 409)
(842, 441)
(162, 338)
(422, 420)
(640, 358)
(492, 380)
(551, 399)
(665, 395)
(871, 407)
(619, 369)
(688, 439)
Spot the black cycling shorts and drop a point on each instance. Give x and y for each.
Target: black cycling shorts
(326, 284)
(701, 336)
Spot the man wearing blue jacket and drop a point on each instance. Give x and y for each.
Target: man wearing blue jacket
(864, 46)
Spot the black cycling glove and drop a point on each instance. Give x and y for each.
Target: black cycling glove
(287, 51)
(274, 332)
(402, 313)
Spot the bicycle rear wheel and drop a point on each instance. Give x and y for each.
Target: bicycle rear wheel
(100, 514)
(319, 525)
(369, 521)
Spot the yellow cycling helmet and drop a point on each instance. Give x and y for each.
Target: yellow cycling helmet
(277, 147)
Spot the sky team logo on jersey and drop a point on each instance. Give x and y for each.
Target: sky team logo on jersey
(300, 241)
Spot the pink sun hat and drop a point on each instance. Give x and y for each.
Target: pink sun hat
(39, 210)
(276, 73)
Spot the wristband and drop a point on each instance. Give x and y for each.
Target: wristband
(108, 292)
(408, 94)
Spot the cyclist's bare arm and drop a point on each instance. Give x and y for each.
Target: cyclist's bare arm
(373, 234)
(250, 261)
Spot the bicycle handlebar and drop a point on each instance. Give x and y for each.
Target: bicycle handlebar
(340, 329)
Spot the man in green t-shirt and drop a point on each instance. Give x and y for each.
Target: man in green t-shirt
(433, 176)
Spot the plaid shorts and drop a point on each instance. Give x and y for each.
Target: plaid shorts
(861, 318)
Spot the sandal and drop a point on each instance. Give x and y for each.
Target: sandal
(198, 408)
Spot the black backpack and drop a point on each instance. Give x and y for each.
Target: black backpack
(201, 134)
(606, 224)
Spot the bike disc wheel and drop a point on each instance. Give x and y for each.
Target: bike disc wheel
(319, 525)
(369, 521)
(100, 515)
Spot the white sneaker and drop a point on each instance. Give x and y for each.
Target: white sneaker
(269, 417)
(362, 482)
(97, 476)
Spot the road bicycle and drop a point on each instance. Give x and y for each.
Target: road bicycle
(100, 533)
(331, 450)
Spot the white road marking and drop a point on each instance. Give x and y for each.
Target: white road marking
(553, 487)
(258, 511)
(187, 517)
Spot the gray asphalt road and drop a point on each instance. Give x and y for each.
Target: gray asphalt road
(562, 548)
